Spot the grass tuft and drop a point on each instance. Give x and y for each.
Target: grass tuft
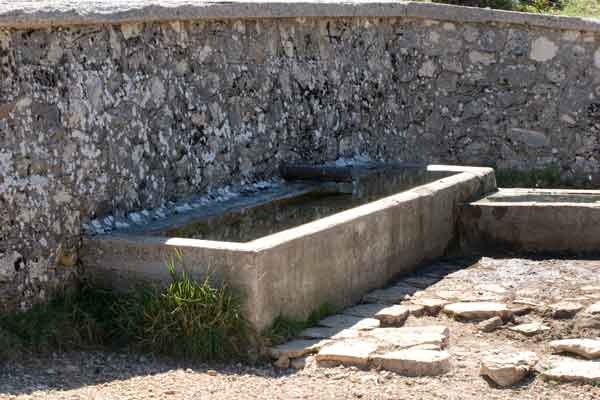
(190, 319)
(78, 318)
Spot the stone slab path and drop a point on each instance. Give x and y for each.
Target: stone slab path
(406, 327)
(447, 353)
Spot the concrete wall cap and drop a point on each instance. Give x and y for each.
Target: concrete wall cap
(47, 13)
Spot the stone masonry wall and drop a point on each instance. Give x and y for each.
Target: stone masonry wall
(109, 119)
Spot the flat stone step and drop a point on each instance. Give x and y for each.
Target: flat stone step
(588, 348)
(508, 368)
(347, 352)
(421, 282)
(590, 288)
(387, 315)
(416, 310)
(478, 310)
(391, 295)
(432, 306)
(593, 309)
(565, 309)
(574, 371)
(342, 321)
(365, 310)
(296, 348)
(393, 315)
(407, 337)
(530, 329)
(414, 362)
(320, 332)
(490, 325)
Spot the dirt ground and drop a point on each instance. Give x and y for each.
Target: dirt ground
(542, 282)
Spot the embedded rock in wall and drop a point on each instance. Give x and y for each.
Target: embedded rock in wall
(9, 265)
(99, 120)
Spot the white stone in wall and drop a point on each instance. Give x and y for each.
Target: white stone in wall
(470, 34)
(114, 42)
(570, 36)
(597, 58)
(543, 49)
(478, 57)
(7, 266)
(427, 69)
(4, 40)
(131, 30)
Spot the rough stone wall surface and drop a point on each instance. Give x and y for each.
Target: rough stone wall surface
(108, 119)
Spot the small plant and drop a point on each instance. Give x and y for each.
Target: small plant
(587, 8)
(190, 319)
(285, 328)
(74, 319)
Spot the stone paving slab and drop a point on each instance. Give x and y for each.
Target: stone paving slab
(588, 348)
(388, 315)
(320, 332)
(432, 306)
(530, 329)
(393, 315)
(406, 337)
(342, 321)
(365, 310)
(565, 309)
(296, 348)
(478, 310)
(391, 295)
(347, 352)
(414, 362)
(421, 282)
(508, 367)
(574, 371)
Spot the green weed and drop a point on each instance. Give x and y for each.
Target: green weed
(192, 319)
(75, 319)
(584, 8)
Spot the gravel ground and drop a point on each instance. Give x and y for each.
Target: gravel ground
(98, 375)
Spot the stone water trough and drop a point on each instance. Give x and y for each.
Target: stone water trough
(291, 248)
(534, 220)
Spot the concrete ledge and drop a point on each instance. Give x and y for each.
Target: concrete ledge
(47, 13)
(562, 226)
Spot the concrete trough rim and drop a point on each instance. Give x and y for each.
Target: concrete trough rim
(353, 214)
(535, 204)
(183, 243)
(489, 201)
(549, 191)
